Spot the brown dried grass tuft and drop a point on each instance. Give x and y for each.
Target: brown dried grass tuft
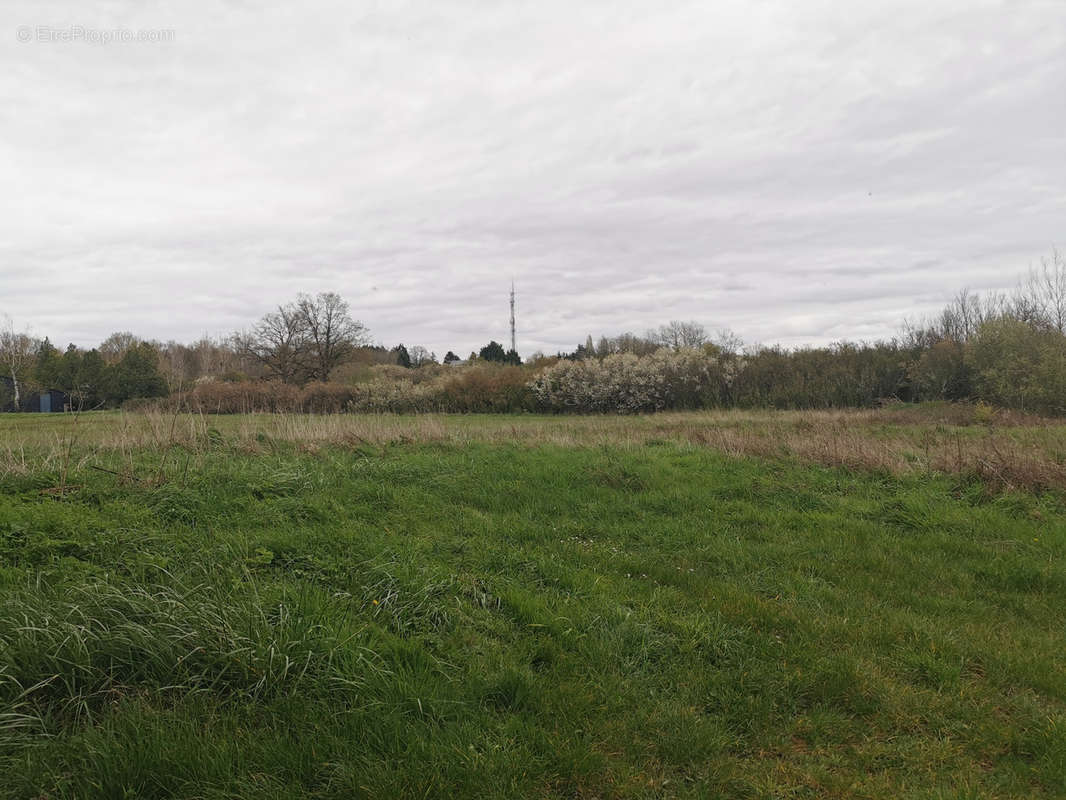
(996, 457)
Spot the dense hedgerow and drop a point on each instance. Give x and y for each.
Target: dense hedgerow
(1004, 362)
(390, 390)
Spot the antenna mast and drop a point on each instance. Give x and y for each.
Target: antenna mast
(512, 319)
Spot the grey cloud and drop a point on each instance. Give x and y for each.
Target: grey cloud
(795, 173)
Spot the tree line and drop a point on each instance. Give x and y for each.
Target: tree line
(1008, 349)
(312, 339)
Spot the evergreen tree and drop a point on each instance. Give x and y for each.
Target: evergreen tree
(69, 366)
(136, 375)
(403, 358)
(48, 365)
(493, 351)
(89, 382)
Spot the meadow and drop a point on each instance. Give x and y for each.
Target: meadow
(708, 604)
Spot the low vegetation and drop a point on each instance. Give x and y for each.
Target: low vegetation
(1004, 449)
(711, 604)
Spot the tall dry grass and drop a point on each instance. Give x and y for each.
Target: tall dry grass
(1013, 451)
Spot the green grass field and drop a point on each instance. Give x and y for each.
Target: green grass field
(404, 607)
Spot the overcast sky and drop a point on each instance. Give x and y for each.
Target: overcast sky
(798, 172)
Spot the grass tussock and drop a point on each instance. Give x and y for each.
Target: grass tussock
(66, 654)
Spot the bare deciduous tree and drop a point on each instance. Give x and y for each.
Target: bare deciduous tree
(420, 356)
(16, 354)
(1044, 291)
(679, 334)
(331, 334)
(728, 342)
(278, 342)
(116, 345)
(305, 340)
(967, 312)
(218, 357)
(625, 343)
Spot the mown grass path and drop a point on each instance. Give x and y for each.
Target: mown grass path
(493, 620)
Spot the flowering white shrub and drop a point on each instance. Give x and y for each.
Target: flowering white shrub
(627, 384)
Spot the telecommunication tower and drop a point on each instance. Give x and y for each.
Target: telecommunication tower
(512, 319)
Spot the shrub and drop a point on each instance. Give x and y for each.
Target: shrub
(328, 398)
(1019, 366)
(840, 376)
(941, 373)
(487, 389)
(626, 384)
(218, 397)
(390, 389)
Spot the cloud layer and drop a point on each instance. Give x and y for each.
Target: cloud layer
(797, 172)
